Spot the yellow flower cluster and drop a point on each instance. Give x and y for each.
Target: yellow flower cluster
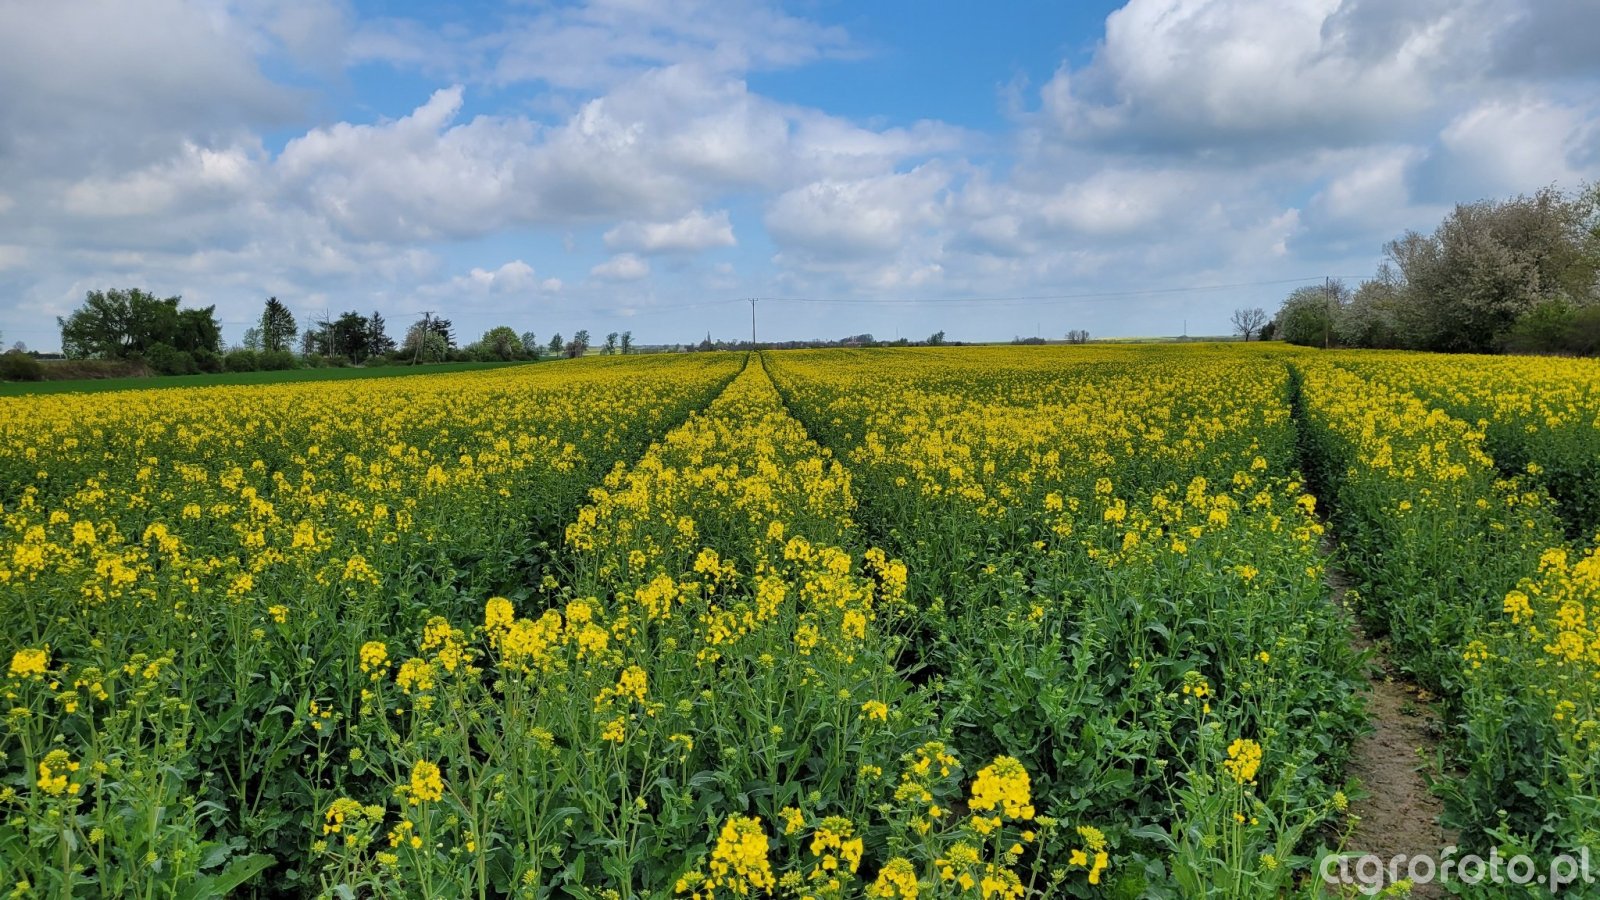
(897, 879)
(1092, 855)
(351, 819)
(1244, 760)
(427, 783)
(55, 773)
(739, 864)
(30, 663)
(1003, 784)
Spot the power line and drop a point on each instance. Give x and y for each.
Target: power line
(870, 301)
(1053, 298)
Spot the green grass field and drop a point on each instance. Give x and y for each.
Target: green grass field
(97, 385)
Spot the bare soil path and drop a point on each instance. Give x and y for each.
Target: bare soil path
(1399, 815)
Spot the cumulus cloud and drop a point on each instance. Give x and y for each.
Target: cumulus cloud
(1473, 158)
(512, 278)
(694, 232)
(657, 144)
(220, 173)
(111, 83)
(622, 267)
(1262, 75)
(841, 218)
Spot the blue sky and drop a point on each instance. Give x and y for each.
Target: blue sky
(987, 170)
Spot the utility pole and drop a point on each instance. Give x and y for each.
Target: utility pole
(422, 338)
(753, 323)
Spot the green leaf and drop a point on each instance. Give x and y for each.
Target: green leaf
(239, 871)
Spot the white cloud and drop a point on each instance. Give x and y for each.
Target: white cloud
(859, 217)
(95, 84)
(1477, 156)
(1261, 74)
(195, 171)
(694, 232)
(622, 267)
(662, 142)
(514, 277)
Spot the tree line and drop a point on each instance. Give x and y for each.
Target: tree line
(1519, 275)
(134, 325)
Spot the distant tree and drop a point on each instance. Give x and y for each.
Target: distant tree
(251, 339)
(1247, 321)
(1489, 264)
(501, 342)
(1309, 314)
(1269, 330)
(277, 326)
(627, 342)
(557, 345)
(423, 344)
(19, 366)
(103, 327)
(1374, 316)
(1078, 336)
(530, 345)
(378, 341)
(119, 324)
(579, 345)
(350, 337)
(19, 347)
(318, 337)
(936, 339)
(445, 329)
(610, 347)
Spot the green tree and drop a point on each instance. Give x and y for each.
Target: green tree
(557, 345)
(501, 342)
(1374, 316)
(627, 342)
(277, 326)
(119, 324)
(1488, 264)
(349, 336)
(610, 345)
(530, 345)
(1308, 314)
(197, 330)
(445, 329)
(378, 340)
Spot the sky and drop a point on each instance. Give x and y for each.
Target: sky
(894, 167)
